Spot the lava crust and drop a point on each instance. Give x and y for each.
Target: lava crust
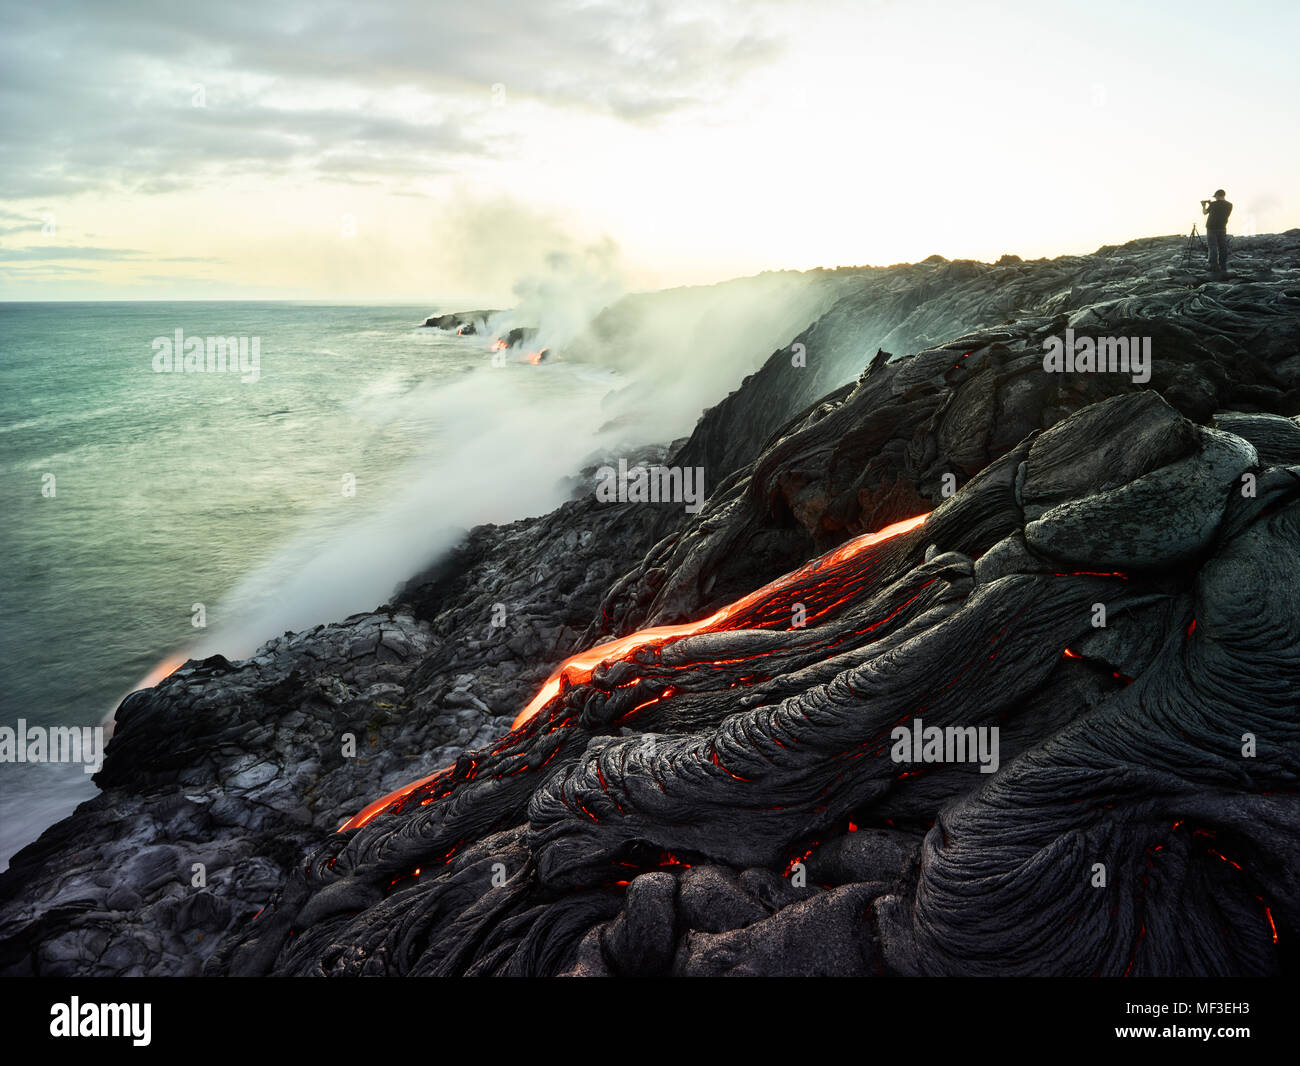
(707, 770)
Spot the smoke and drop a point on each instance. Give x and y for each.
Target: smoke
(562, 300)
(511, 255)
(530, 263)
(682, 350)
(1261, 212)
(503, 456)
(634, 370)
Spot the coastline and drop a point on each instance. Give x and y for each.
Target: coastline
(422, 680)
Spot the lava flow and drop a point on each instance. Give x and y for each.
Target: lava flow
(746, 612)
(578, 668)
(163, 670)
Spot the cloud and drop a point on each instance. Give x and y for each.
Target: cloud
(17, 222)
(96, 96)
(176, 279)
(41, 253)
(67, 251)
(43, 270)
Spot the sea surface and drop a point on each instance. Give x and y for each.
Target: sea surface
(129, 497)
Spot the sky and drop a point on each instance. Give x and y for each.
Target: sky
(426, 151)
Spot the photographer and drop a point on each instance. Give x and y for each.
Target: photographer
(1216, 230)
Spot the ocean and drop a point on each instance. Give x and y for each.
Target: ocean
(138, 503)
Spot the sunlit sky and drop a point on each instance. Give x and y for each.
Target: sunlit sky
(430, 151)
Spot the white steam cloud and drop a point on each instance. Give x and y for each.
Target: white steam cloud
(635, 370)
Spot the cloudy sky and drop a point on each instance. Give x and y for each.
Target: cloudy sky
(429, 150)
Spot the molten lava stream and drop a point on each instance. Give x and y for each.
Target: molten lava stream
(163, 670)
(578, 668)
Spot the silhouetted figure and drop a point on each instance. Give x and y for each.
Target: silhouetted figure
(1216, 214)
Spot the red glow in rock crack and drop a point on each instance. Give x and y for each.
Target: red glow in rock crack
(578, 669)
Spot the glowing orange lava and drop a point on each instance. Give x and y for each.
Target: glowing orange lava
(499, 345)
(368, 812)
(164, 669)
(578, 668)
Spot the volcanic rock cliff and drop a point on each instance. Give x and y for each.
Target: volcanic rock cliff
(910, 524)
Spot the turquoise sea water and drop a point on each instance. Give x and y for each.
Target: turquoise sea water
(128, 496)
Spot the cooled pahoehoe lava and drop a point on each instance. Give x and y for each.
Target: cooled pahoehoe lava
(766, 744)
(678, 757)
(778, 602)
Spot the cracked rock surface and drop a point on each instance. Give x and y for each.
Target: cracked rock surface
(729, 801)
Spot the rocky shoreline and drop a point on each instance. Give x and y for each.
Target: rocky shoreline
(764, 831)
(465, 323)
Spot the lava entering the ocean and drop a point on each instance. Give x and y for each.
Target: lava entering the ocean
(163, 670)
(750, 611)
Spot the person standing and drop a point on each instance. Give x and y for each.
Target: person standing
(1216, 214)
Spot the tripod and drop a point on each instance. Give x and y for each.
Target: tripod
(1195, 247)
